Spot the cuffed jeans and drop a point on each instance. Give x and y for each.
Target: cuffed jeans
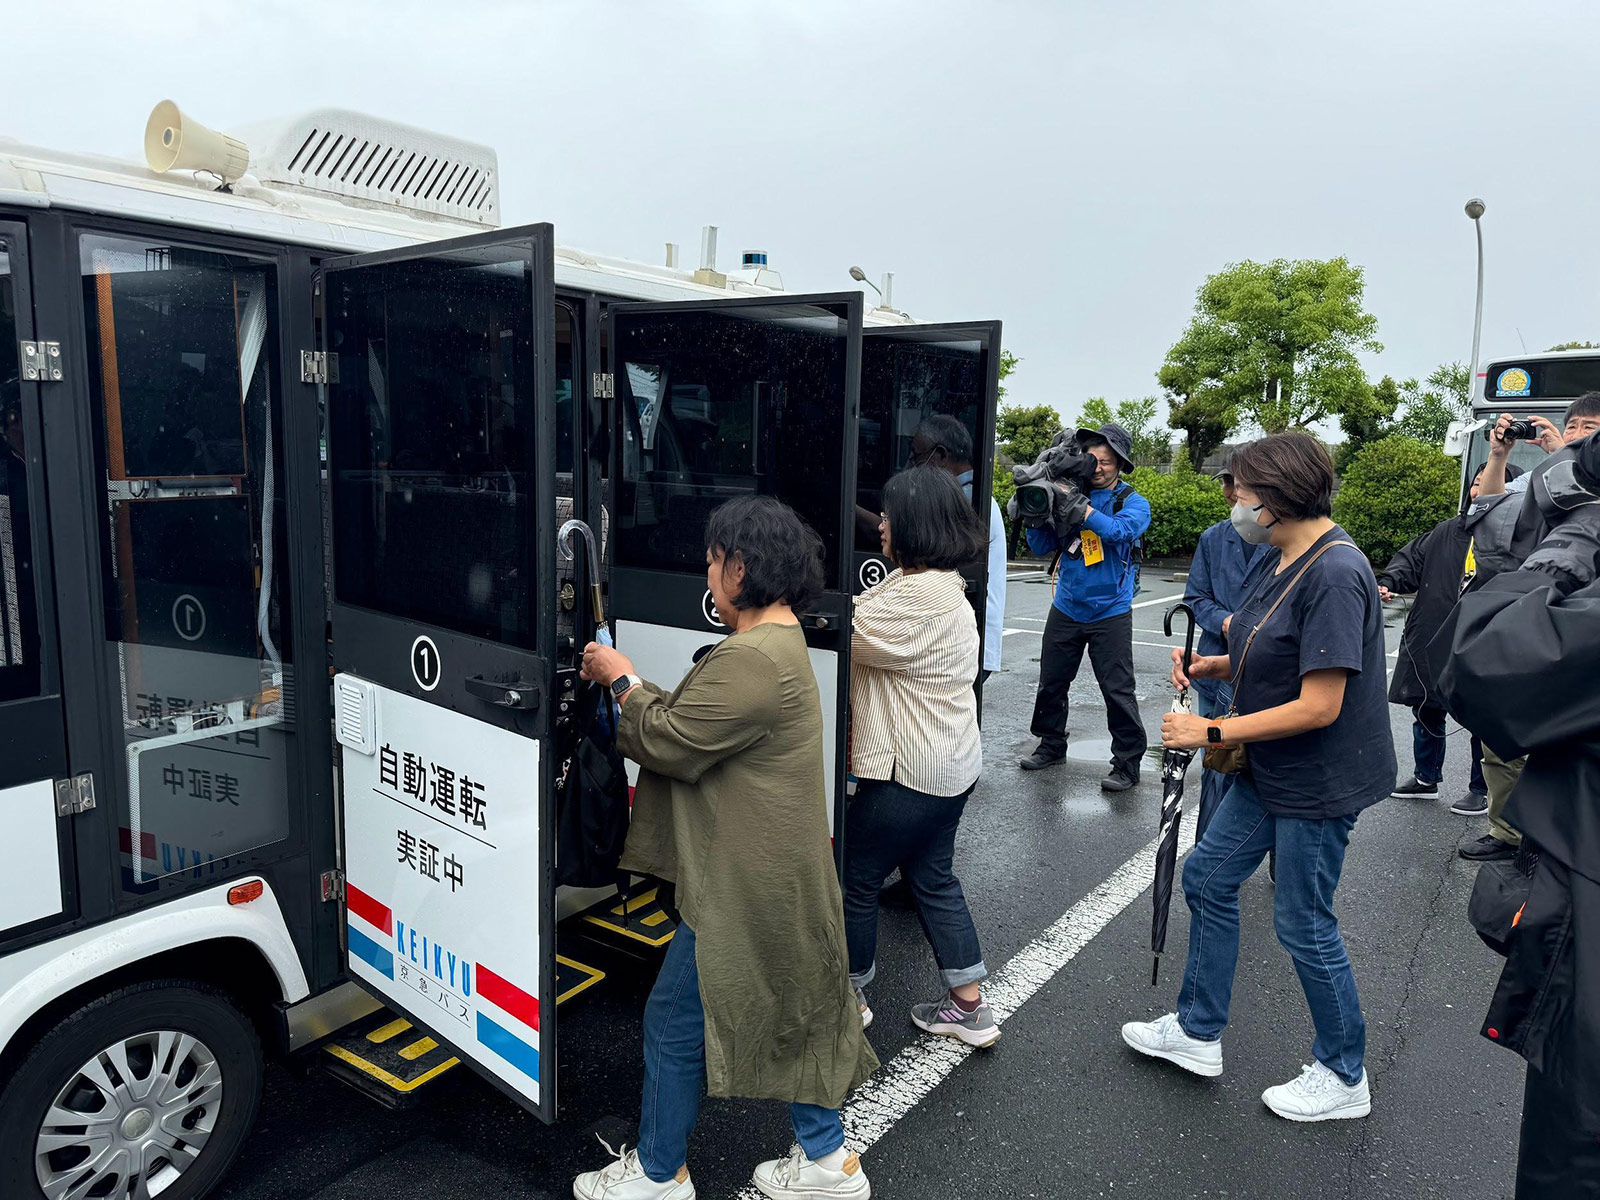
(1429, 728)
(889, 825)
(675, 1072)
(1310, 860)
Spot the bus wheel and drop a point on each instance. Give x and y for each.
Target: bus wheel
(146, 1091)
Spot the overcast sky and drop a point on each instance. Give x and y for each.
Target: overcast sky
(1073, 169)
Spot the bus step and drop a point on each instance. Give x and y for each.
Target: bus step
(645, 921)
(573, 978)
(386, 1058)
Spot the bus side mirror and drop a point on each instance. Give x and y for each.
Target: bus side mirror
(1458, 434)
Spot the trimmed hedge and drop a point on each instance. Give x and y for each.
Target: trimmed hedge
(1395, 489)
(1183, 505)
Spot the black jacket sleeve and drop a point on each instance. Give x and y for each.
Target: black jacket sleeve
(1403, 575)
(1524, 666)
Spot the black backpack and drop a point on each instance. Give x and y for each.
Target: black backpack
(592, 809)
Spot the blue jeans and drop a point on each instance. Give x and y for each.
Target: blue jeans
(889, 825)
(675, 1072)
(1211, 700)
(1310, 859)
(1429, 728)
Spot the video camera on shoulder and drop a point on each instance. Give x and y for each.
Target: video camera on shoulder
(1062, 461)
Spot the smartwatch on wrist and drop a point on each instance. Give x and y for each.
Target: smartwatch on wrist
(1214, 733)
(623, 684)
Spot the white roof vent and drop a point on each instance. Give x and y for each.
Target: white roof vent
(342, 153)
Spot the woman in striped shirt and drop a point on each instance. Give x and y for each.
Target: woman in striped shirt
(914, 742)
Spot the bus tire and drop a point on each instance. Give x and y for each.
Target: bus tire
(185, 1070)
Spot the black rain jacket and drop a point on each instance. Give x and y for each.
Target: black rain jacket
(1430, 567)
(1524, 674)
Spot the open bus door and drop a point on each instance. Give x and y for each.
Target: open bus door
(719, 399)
(908, 374)
(38, 796)
(440, 363)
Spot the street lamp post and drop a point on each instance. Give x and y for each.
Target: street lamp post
(1475, 209)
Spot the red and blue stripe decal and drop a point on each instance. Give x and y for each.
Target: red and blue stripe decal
(502, 1036)
(362, 944)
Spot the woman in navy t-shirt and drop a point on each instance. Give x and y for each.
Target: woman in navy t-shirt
(1313, 718)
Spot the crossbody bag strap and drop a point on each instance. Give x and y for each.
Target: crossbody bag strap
(1245, 653)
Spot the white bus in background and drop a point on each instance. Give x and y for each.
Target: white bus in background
(1525, 385)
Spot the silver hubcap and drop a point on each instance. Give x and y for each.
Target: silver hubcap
(131, 1120)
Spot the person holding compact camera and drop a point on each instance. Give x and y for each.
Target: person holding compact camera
(1523, 670)
(1095, 525)
(1504, 531)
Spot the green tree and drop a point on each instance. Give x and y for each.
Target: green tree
(1368, 421)
(1008, 364)
(1151, 446)
(1183, 505)
(1020, 433)
(1274, 345)
(1394, 489)
(1574, 346)
(1429, 407)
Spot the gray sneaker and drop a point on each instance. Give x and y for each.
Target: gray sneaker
(866, 1012)
(943, 1017)
(1473, 804)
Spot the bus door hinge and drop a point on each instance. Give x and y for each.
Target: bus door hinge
(317, 367)
(75, 795)
(604, 385)
(332, 886)
(41, 362)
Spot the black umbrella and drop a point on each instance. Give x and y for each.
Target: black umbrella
(1173, 765)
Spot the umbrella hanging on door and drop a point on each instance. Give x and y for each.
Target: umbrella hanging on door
(1174, 763)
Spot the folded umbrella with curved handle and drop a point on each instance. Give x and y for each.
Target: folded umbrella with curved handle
(1174, 763)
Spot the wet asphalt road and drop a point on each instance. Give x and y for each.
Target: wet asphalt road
(1060, 1107)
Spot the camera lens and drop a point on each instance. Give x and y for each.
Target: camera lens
(1033, 499)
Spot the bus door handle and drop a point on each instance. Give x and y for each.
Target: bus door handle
(516, 694)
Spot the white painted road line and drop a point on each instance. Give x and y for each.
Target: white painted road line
(911, 1076)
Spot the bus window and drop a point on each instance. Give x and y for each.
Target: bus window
(433, 489)
(19, 618)
(906, 378)
(182, 370)
(717, 404)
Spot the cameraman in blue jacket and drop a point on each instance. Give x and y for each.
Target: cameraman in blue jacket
(1098, 540)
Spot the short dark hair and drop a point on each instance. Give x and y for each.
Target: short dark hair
(782, 555)
(1291, 473)
(944, 430)
(931, 522)
(1512, 471)
(1586, 405)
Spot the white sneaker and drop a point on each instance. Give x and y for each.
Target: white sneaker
(625, 1180)
(797, 1177)
(866, 1013)
(1165, 1038)
(1319, 1095)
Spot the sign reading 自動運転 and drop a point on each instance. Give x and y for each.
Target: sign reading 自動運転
(443, 880)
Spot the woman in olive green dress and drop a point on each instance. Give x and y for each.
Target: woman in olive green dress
(754, 996)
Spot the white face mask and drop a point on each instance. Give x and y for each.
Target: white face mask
(1243, 518)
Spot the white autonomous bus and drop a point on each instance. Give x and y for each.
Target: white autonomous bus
(287, 645)
(1526, 385)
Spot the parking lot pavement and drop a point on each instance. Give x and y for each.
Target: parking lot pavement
(1059, 1108)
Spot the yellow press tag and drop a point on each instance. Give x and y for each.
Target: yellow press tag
(1093, 551)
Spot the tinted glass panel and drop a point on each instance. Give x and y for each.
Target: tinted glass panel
(19, 613)
(183, 364)
(432, 441)
(907, 377)
(722, 403)
(1557, 379)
